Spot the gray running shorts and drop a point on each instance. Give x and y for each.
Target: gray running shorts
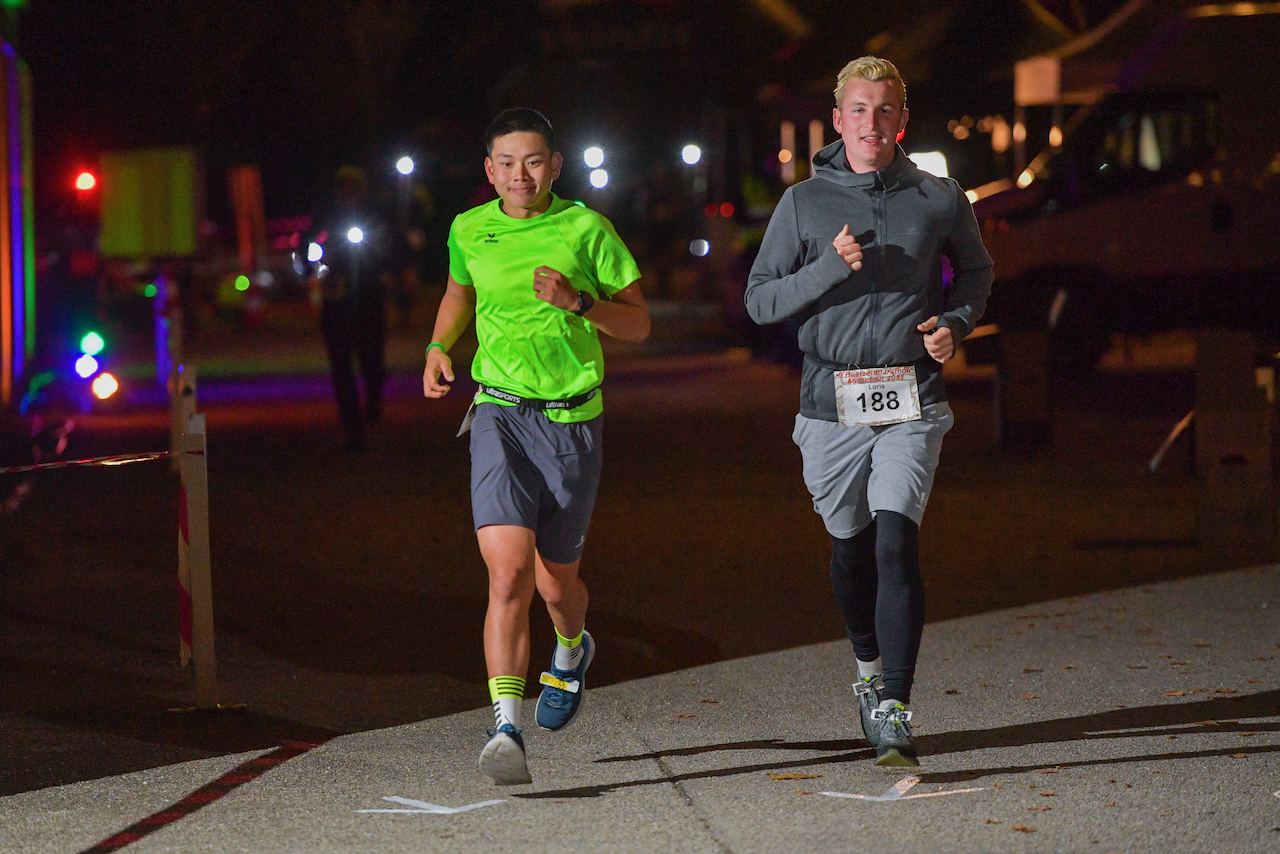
(854, 472)
(535, 473)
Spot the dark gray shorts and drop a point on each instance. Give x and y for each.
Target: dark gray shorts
(535, 473)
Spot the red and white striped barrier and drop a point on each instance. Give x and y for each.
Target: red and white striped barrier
(195, 605)
(182, 405)
(195, 596)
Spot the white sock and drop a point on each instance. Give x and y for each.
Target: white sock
(890, 705)
(566, 658)
(506, 710)
(869, 669)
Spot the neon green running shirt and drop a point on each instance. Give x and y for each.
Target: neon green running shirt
(529, 347)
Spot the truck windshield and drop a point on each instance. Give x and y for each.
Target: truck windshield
(1131, 141)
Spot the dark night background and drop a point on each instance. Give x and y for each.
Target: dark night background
(302, 87)
(347, 583)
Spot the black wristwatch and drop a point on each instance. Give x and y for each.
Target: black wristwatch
(585, 301)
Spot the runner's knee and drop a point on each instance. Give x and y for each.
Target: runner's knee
(511, 584)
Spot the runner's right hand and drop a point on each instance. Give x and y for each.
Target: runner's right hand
(848, 248)
(438, 364)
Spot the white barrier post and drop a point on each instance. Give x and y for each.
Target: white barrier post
(182, 405)
(196, 606)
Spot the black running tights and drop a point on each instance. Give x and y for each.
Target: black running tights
(876, 578)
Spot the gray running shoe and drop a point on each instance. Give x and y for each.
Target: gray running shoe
(868, 690)
(503, 757)
(894, 747)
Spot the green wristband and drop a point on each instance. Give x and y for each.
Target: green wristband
(437, 344)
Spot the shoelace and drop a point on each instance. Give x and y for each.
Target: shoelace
(556, 698)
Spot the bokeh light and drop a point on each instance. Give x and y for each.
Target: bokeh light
(699, 248)
(405, 165)
(242, 283)
(86, 181)
(91, 344)
(599, 178)
(86, 366)
(691, 154)
(315, 252)
(355, 235)
(593, 157)
(933, 162)
(104, 386)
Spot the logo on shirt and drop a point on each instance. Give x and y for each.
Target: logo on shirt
(492, 238)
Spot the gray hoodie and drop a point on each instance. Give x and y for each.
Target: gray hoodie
(906, 220)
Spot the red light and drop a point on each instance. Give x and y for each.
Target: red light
(712, 210)
(726, 210)
(86, 181)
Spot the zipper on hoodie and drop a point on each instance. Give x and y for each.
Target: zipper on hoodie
(878, 196)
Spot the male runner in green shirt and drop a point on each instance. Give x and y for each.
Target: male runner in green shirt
(540, 276)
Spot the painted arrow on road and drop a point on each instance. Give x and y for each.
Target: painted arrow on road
(899, 792)
(423, 808)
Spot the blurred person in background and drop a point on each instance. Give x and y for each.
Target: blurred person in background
(353, 280)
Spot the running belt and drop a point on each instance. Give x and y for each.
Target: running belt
(535, 403)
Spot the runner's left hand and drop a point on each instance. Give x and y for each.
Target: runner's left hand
(938, 342)
(552, 286)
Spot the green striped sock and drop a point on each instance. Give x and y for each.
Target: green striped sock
(506, 692)
(568, 651)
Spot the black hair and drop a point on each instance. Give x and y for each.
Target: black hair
(519, 120)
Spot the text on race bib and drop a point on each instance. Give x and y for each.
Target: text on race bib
(873, 397)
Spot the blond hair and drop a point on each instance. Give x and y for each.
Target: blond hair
(874, 69)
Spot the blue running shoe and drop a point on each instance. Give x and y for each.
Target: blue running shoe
(503, 757)
(562, 690)
(868, 692)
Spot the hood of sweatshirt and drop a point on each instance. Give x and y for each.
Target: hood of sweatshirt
(832, 164)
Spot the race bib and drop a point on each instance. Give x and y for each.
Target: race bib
(873, 397)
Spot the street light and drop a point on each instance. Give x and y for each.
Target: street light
(599, 178)
(405, 167)
(355, 235)
(593, 157)
(691, 154)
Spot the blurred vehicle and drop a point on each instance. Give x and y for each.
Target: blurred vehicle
(1161, 208)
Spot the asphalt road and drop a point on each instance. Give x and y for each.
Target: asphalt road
(349, 592)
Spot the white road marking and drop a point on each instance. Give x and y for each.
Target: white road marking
(899, 792)
(423, 808)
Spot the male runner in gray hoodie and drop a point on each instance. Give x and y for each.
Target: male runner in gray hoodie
(855, 255)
